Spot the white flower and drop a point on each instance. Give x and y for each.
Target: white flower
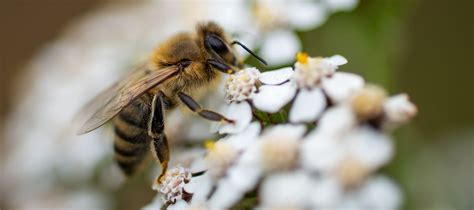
(279, 47)
(290, 190)
(279, 146)
(244, 139)
(341, 85)
(337, 120)
(200, 187)
(367, 103)
(275, 19)
(226, 195)
(222, 154)
(337, 5)
(398, 109)
(241, 86)
(280, 86)
(275, 150)
(240, 113)
(308, 105)
(219, 158)
(276, 77)
(321, 152)
(371, 147)
(311, 101)
(350, 156)
(309, 71)
(172, 185)
(327, 192)
(377, 192)
(271, 98)
(365, 150)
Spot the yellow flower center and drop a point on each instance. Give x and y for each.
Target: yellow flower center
(302, 57)
(279, 153)
(367, 103)
(210, 145)
(219, 157)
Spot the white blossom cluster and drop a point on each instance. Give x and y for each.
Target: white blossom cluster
(304, 138)
(271, 24)
(173, 185)
(92, 53)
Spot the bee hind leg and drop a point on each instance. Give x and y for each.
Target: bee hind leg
(195, 107)
(159, 143)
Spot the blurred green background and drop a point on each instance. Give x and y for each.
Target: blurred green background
(421, 47)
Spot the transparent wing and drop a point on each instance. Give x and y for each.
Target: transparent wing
(111, 101)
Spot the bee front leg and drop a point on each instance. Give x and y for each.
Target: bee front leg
(195, 107)
(159, 143)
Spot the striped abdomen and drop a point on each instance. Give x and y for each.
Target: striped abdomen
(132, 142)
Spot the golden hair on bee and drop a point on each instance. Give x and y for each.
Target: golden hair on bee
(179, 70)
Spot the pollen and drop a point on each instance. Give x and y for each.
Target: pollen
(210, 145)
(242, 85)
(172, 187)
(245, 78)
(302, 57)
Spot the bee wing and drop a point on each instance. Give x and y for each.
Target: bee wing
(111, 101)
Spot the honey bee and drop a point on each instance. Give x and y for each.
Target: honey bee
(179, 68)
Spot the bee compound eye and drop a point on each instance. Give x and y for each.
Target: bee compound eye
(216, 44)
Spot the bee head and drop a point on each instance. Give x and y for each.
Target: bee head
(216, 44)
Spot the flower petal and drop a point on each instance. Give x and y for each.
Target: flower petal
(341, 85)
(380, 193)
(225, 195)
(280, 47)
(327, 192)
(271, 98)
(370, 146)
(241, 113)
(244, 175)
(337, 120)
(276, 77)
(308, 105)
(245, 138)
(337, 60)
(286, 189)
(306, 15)
(340, 5)
(399, 109)
(200, 186)
(321, 152)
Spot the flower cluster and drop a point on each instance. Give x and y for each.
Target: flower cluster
(271, 25)
(90, 54)
(304, 137)
(172, 187)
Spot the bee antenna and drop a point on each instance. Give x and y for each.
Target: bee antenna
(250, 51)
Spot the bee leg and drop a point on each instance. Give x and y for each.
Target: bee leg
(159, 143)
(195, 107)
